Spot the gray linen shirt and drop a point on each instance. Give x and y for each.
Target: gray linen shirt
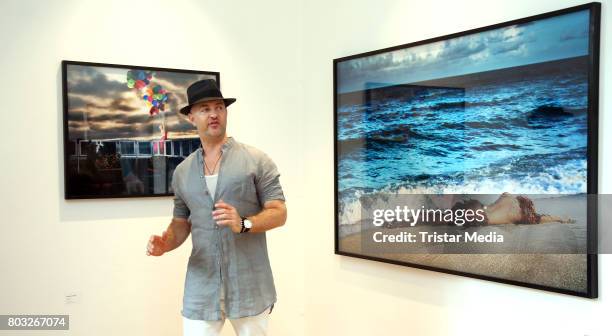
(238, 261)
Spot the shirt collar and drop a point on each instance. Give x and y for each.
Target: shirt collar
(227, 145)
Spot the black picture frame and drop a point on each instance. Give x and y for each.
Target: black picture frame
(125, 159)
(594, 10)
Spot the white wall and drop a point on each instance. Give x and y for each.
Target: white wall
(276, 58)
(369, 298)
(50, 247)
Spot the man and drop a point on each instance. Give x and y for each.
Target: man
(227, 194)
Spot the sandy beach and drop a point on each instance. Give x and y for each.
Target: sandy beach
(558, 262)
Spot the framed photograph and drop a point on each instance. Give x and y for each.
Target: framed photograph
(123, 133)
(508, 112)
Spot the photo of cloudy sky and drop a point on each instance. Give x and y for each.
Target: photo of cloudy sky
(101, 106)
(539, 41)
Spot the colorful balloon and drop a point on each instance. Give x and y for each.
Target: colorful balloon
(154, 95)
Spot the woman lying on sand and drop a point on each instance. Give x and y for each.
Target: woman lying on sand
(509, 209)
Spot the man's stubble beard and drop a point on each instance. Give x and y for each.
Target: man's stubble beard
(220, 135)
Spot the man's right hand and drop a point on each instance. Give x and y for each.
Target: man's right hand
(157, 245)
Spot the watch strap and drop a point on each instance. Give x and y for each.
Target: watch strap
(243, 229)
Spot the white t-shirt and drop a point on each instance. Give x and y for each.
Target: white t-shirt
(211, 183)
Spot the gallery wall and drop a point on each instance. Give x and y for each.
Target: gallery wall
(367, 297)
(95, 249)
(276, 58)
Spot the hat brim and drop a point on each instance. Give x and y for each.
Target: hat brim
(228, 101)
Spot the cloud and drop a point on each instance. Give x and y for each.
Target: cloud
(574, 35)
(462, 48)
(121, 104)
(507, 47)
(441, 58)
(89, 81)
(103, 107)
(76, 102)
(180, 79)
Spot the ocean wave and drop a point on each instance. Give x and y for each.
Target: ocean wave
(495, 147)
(399, 134)
(565, 178)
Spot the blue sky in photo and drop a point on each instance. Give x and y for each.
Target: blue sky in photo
(534, 42)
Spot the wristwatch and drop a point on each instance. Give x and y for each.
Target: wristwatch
(246, 225)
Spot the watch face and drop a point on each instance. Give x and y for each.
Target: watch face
(247, 224)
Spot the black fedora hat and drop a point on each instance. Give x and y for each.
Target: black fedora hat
(202, 91)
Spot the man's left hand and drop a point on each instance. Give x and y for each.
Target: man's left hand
(227, 215)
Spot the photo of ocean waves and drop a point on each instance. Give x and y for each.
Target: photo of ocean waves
(517, 130)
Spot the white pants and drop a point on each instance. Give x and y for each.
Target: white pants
(245, 326)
